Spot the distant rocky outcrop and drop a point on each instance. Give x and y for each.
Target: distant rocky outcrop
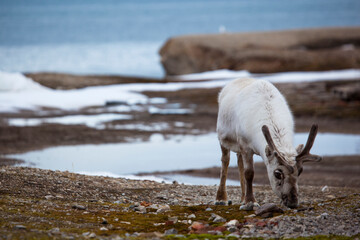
(264, 52)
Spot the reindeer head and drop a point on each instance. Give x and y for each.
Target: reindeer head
(282, 174)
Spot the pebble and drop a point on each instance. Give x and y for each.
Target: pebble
(197, 226)
(20, 227)
(171, 231)
(79, 207)
(216, 218)
(232, 223)
(55, 231)
(48, 197)
(140, 209)
(323, 216)
(192, 216)
(103, 229)
(208, 209)
(163, 208)
(173, 219)
(268, 208)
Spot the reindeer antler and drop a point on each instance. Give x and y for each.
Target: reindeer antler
(273, 148)
(305, 155)
(268, 138)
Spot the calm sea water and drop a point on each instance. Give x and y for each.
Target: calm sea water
(123, 37)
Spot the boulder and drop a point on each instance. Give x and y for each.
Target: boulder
(264, 52)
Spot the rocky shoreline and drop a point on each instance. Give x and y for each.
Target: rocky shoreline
(46, 204)
(52, 204)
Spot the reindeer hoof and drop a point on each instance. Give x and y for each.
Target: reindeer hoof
(249, 206)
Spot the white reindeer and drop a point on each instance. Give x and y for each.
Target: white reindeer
(254, 118)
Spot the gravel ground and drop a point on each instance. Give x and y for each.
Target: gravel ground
(46, 204)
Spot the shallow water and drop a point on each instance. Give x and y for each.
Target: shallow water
(178, 153)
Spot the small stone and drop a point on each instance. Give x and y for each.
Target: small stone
(55, 231)
(220, 203)
(268, 208)
(103, 229)
(208, 209)
(236, 235)
(231, 223)
(48, 197)
(229, 202)
(163, 209)
(21, 227)
(140, 209)
(232, 229)
(79, 207)
(173, 219)
(323, 216)
(171, 231)
(325, 188)
(162, 197)
(219, 219)
(250, 216)
(197, 226)
(104, 221)
(192, 216)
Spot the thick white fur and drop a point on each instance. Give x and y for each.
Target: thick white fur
(245, 105)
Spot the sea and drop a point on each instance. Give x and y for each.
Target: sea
(123, 37)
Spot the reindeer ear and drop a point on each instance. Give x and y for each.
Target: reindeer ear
(311, 158)
(299, 148)
(268, 151)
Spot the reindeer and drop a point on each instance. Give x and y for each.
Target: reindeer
(254, 118)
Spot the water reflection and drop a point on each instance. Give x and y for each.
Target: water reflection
(178, 153)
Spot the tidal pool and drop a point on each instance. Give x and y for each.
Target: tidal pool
(158, 154)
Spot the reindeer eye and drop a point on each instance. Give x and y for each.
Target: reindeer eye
(278, 174)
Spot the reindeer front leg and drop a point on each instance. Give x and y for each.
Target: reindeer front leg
(250, 201)
(221, 196)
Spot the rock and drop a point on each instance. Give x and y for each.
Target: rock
(55, 230)
(192, 216)
(197, 226)
(232, 229)
(232, 223)
(325, 189)
(104, 229)
(216, 218)
(323, 216)
(236, 235)
(48, 197)
(89, 235)
(21, 227)
(163, 208)
(140, 209)
(219, 219)
(349, 92)
(173, 219)
(268, 208)
(171, 231)
(262, 52)
(208, 209)
(79, 207)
